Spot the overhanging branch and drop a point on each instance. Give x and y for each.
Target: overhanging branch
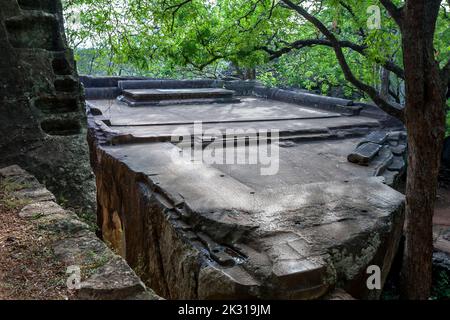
(395, 12)
(385, 105)
(299, 44)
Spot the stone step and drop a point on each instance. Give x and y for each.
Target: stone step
(35, 29)
(157, 95)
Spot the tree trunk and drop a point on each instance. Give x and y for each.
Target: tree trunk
(425, 138)
(425, 123)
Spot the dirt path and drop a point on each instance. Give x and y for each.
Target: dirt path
(27, 267)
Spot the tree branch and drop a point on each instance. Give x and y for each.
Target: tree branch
(174, 12)
(349, 9)
(309, 43)
(385, 105)
(395, 12)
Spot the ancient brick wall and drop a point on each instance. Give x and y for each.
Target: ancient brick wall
(42, 113)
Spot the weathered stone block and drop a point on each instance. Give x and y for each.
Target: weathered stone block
(364, 153)
(397, 165)
(377, 137)
(39, 209)
(104, 275)
(399, 150)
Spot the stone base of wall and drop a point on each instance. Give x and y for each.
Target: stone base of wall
(104, 274)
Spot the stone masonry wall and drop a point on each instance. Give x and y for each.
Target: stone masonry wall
(42, 112)
(104, 274)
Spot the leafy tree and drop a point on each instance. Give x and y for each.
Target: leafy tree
(318, 44)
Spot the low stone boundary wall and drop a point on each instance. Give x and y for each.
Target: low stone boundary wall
(111, 88)
(241, 87)
(306, 99)
(102, 93)
(170, 84)
(104, 274)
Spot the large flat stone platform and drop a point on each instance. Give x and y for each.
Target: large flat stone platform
(200, 230)
(249, 109)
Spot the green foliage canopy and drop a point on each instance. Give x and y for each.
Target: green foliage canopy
(174, 38)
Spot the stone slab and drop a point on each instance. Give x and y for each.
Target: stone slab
(378, 137)
(364, 153)
(333, 127)
(176, 94)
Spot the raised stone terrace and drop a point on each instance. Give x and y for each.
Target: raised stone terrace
(302, 220)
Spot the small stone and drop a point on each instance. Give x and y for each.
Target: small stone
(399, 149)
(390, 178)
(382, 161)
(40, 194)
(397, 165)
(222, 257)
(397, 136)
